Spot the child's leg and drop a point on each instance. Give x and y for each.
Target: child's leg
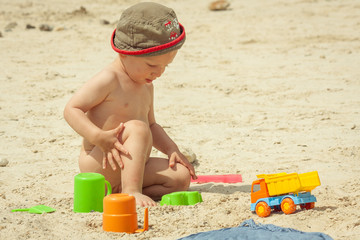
(160, 179)
(90, 160)
(150, 176)
(137, 139)
(153, 178)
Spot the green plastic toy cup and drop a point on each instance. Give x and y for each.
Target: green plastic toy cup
(89, 192)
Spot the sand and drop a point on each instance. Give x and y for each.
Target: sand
(263, 87)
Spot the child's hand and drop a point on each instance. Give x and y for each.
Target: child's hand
(110, 145)
(178, 157)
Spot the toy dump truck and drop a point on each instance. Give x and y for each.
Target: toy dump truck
(283, 192)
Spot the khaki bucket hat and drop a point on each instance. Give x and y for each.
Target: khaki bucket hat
(148, 29)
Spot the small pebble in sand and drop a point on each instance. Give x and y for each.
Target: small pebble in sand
(1, 35)
(10, 26)
(58, 29)
(3, 162)
(81, 11)
(45, 27)
(29, 26)
(104, 22)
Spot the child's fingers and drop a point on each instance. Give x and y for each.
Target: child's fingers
(119, 129)
(172, 160)
(104, 161)
(121, 148)
(190, 168)
(117, 157)
(111, 161)
(175, 158)
(192, 172)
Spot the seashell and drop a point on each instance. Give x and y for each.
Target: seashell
(189, 154)
(219, 5)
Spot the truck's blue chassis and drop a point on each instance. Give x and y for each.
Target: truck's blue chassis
(300, 198)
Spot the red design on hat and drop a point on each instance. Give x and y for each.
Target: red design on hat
(173, 35)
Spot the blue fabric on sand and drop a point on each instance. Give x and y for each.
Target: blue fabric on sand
(249, 230)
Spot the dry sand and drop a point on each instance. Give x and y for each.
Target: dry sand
(264, 87)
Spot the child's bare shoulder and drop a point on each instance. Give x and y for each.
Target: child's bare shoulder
(107, 76)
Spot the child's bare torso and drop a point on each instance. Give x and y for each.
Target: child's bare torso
(126, 101)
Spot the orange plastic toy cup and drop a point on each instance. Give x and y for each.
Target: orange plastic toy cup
(120, 214)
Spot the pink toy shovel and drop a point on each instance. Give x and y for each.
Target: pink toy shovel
(229, 178)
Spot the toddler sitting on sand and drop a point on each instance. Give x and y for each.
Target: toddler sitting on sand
(114, 112)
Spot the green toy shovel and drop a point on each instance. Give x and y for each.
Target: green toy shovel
(39, 209)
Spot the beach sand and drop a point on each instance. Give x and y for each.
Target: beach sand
(264, 87)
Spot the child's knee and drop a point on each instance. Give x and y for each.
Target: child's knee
(183, 178)
(138, 128)
(137, 125)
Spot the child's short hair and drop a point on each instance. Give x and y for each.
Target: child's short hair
(147, 29)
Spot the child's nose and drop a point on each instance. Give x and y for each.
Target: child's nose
(158, 71)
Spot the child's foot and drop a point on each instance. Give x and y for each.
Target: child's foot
(143, 200)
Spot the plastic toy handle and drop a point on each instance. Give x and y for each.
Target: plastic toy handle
(21, 210)
(109, 190)
(146, 221)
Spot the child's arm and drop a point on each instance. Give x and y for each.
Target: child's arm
(91, 94)
(166, 145)
(163, 143)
